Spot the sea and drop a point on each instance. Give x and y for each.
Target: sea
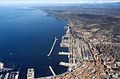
(26, 37)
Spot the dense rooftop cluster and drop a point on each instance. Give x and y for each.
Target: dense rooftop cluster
(93, 42)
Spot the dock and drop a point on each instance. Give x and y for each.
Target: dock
(52, 71)
(67, 64)
(66, 39)
(64, 53)
(52, 46)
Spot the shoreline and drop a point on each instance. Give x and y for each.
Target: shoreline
(50, 77)
(62, 74)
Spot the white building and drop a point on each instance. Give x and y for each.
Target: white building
(1, 65)
(30, 73)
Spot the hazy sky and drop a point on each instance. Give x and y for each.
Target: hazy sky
(63, 1)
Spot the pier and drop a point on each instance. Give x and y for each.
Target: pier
(52, 46)
(52, 71)
(67, 64)
(64, 53)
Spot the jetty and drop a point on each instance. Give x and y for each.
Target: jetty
(66, 64)
(52, 46)
(52, 71)
(64, 53)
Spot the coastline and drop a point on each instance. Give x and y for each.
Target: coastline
(51, 77)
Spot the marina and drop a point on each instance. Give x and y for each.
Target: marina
(8, 73)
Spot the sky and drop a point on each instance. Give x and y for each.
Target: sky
(58, 1)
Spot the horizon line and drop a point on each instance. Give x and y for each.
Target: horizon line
(31, 3)
(54, 2)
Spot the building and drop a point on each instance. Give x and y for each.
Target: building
(1, 65)
(30, 73)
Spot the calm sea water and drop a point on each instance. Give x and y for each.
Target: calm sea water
(26, 37)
